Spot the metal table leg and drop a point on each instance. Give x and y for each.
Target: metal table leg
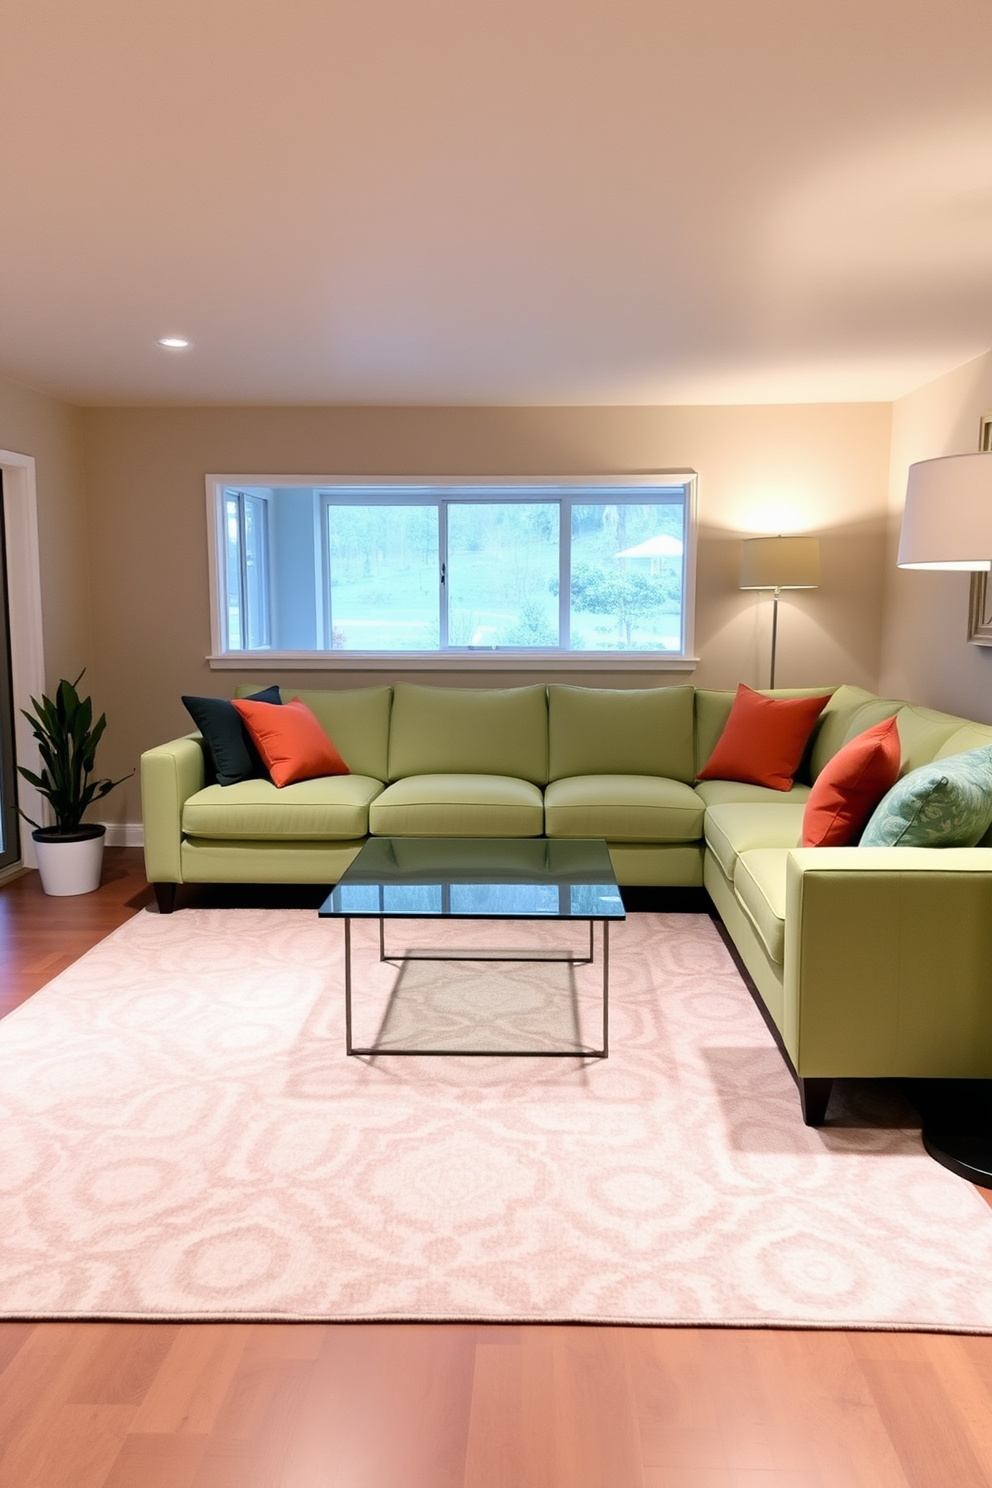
(373, 1049)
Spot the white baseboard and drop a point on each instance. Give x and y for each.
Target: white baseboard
(119, 834)
(125, 834)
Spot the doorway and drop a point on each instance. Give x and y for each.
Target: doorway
(23, 650)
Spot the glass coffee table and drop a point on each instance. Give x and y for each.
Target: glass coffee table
(482, 879)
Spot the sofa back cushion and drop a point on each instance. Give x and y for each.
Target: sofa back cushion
(355, 719)
(850, 711)
(923, 733)
(713, 709)
(765, 739)
(944, 803)
(621, 731)
(291, 740)
(469, 731)
(968, 736)
(850, 786)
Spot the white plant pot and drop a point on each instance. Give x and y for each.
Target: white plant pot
(70, 866)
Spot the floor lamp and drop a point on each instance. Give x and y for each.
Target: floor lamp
(779, 563)
(947, 523)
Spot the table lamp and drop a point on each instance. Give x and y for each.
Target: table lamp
(777, 563)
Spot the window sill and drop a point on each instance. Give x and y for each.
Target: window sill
(430, 661)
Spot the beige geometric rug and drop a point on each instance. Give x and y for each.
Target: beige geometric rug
(182, 1136)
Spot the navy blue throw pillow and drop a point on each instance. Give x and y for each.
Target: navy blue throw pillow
(229, 748)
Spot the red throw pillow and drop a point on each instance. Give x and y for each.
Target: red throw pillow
(764, 738)
(850, 786)
(291, 742)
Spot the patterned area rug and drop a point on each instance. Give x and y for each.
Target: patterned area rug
(182, 1136)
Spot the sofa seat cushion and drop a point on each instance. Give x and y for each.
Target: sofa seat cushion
(759, 884)
(458, 806)
(334, 807)
(735, 792)
(623, 808)
(732, 830)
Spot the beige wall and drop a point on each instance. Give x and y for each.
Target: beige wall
(33, 424)
(145, 470)
(925, 654)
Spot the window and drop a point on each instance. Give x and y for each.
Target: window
(453, 572)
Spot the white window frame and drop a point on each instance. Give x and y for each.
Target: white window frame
(494, 488)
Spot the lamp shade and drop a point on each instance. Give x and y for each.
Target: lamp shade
(780, 563)
(947, 521)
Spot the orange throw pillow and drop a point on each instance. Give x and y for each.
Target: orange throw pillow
(291, 742)
(850, 786)
(763, 740)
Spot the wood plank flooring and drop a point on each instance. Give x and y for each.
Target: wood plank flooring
(97, 1405)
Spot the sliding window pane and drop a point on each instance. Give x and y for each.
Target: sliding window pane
(627, 576)
(503, 573)
(383, 567)
(256, 583)
(232, 570)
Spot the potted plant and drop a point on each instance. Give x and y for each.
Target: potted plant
(70, 852)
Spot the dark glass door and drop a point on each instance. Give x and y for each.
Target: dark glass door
(10, 835)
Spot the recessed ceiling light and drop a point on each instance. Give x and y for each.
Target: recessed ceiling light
(175, 343)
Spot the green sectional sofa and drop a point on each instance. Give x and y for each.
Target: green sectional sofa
(869, 962)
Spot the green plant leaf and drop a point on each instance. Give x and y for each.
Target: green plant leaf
(67, 742)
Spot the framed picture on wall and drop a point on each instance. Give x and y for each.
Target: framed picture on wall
(980, 605)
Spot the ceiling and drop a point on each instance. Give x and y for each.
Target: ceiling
(512, 202)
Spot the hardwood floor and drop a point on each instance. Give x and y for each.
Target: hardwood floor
(97, 1405)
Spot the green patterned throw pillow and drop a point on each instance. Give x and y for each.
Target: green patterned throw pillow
(944, 804)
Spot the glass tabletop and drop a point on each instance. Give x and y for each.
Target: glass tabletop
(505, 878)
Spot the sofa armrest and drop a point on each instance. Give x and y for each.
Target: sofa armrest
(888, 961)
(170, 774)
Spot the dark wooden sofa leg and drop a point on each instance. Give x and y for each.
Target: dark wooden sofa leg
(165, 896)
(814, 1095)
